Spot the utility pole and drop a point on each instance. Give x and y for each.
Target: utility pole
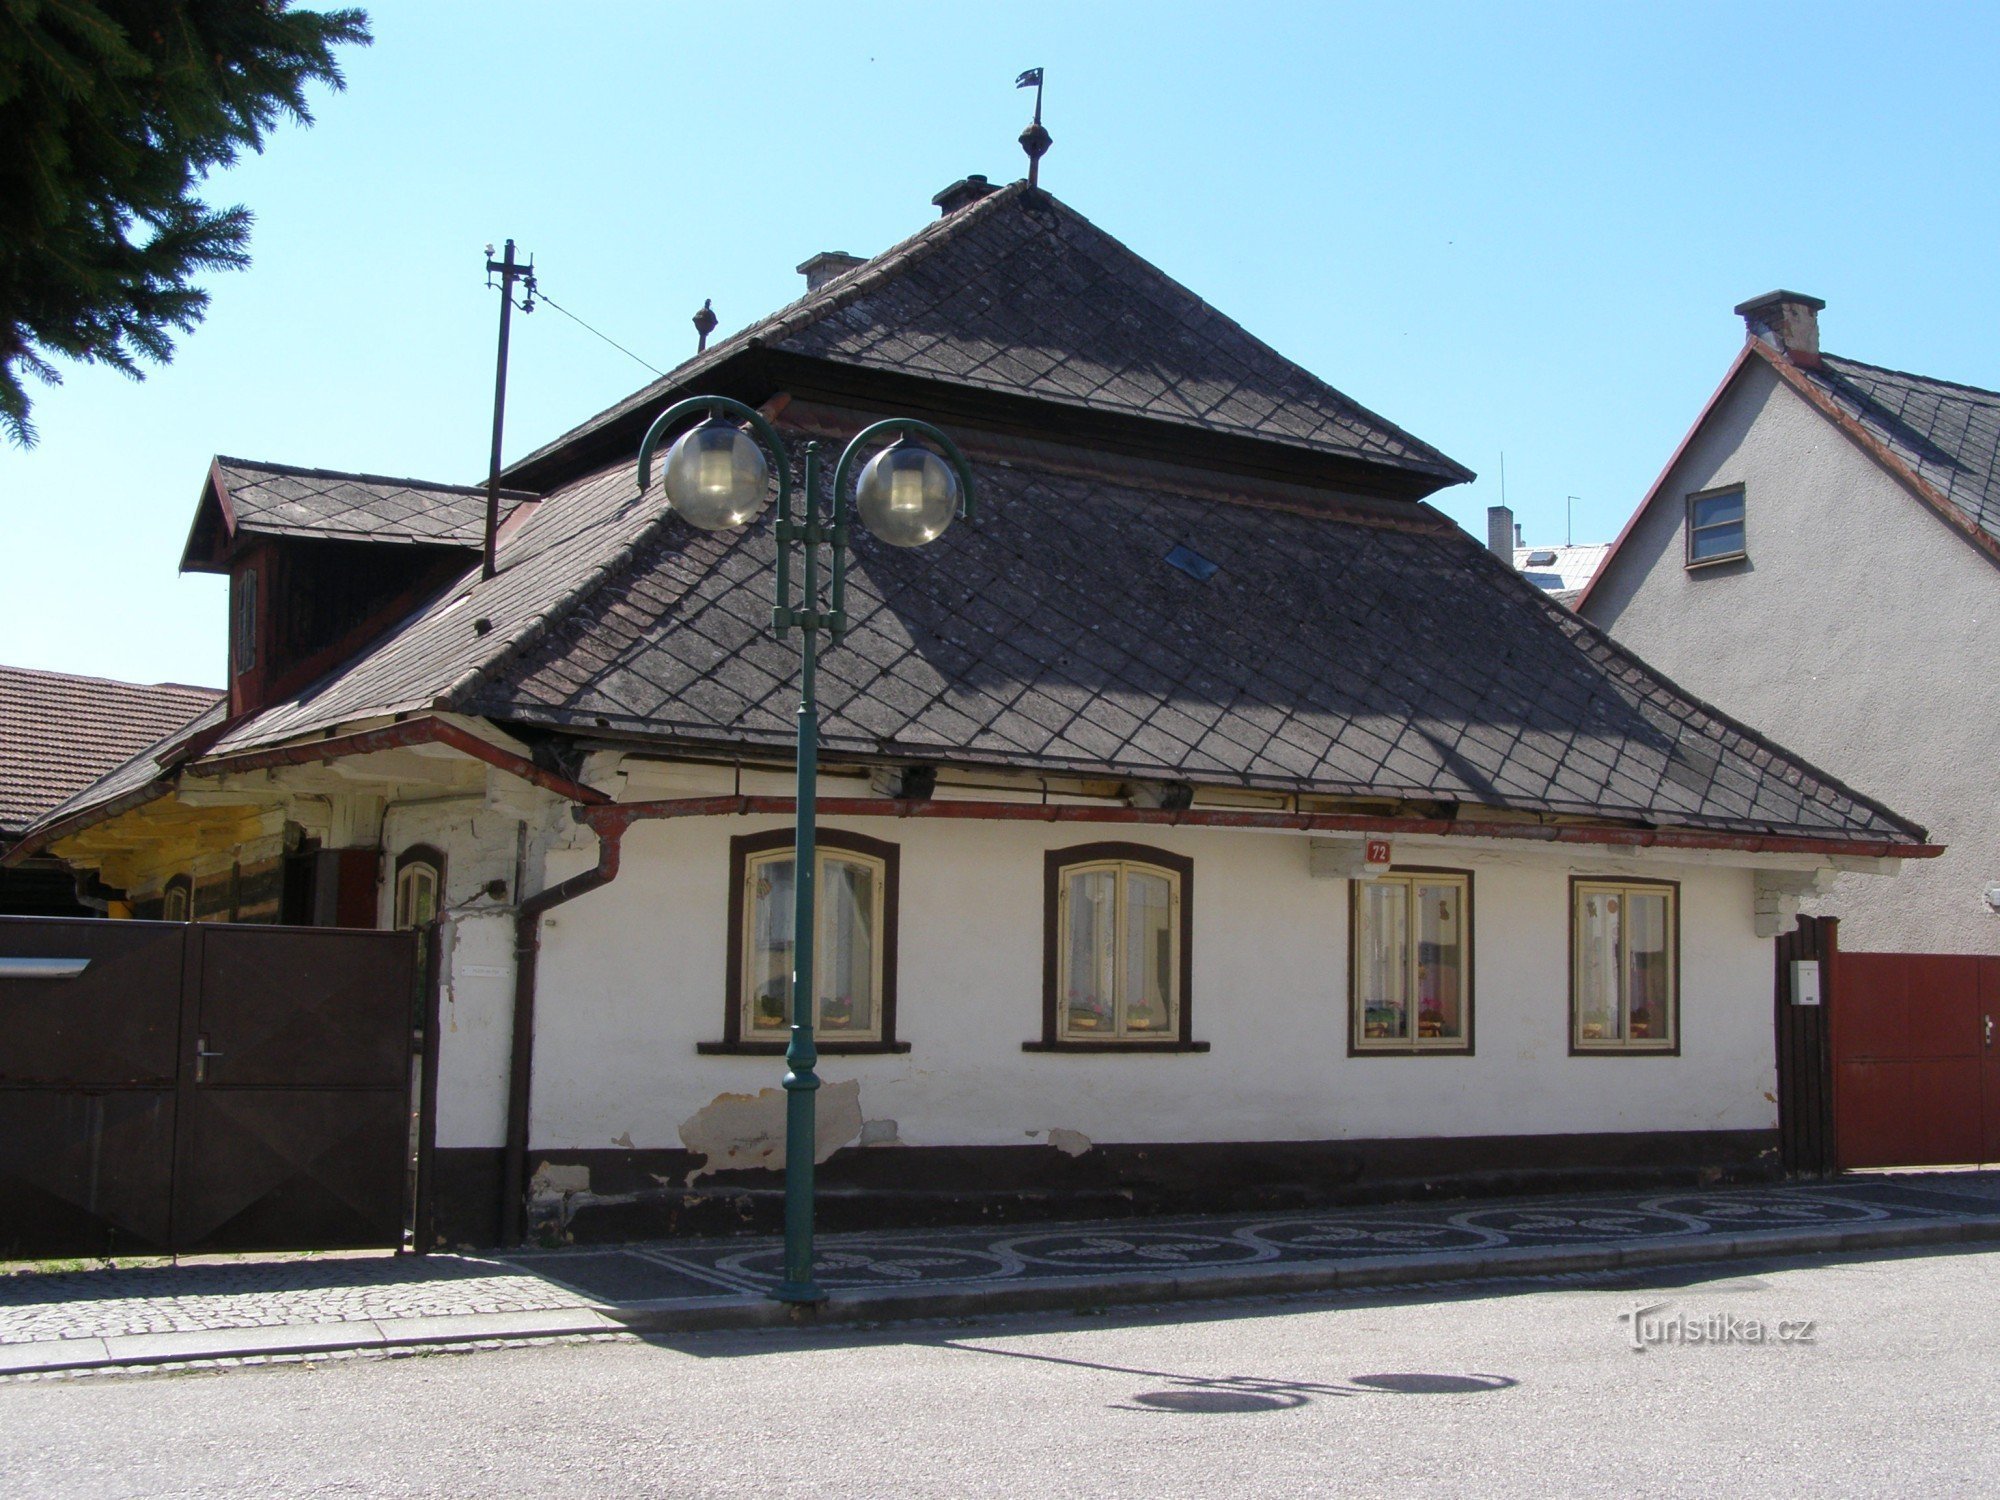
(510, 272)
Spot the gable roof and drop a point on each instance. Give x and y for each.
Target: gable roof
(1018, 295)
(1947, 434)
(247, 498)
(60, 733)
(1361, 651)
(1940, 440)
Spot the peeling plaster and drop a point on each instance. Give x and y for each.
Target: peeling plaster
(879, 1133)
(1069, 1142)
(623, 1141)
(735, 1131)
(551, 1179)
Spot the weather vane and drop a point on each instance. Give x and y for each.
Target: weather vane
(1034, 140)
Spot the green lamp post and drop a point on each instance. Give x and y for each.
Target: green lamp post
(718, 477)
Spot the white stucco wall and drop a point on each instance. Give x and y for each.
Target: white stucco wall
(476, 996)
(1860, 634)
(632, 977)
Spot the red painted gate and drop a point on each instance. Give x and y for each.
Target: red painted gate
(196, 1086)
(1915, 1062)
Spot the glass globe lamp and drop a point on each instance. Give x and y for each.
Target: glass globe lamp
(907, 495)
(717, 476)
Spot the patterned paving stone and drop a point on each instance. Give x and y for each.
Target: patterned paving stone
(290, 1292)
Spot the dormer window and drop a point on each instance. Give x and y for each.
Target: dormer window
(1715, 527)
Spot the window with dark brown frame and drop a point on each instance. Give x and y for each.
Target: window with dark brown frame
(1117, 951)
(1624, 967)
(857, 887)
(1409, 945)
(1715, 527)
(177, 900)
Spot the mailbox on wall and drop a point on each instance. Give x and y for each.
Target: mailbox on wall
(1805, 981)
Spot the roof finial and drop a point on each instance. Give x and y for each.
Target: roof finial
(704, 324)
(1034, 140)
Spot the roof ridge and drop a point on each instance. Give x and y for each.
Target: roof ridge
(1957, 385)
(303, 471)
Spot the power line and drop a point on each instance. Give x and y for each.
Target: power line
(551, 302)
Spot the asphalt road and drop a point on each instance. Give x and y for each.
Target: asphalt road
(1874, 1377)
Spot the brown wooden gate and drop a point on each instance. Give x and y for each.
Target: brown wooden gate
(1916, 1067)
(194, 1086)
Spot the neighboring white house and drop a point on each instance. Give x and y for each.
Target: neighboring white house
(1821, 557)
(1208, 821)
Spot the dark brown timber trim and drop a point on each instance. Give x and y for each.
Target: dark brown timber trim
(426, 731)
(624, 814)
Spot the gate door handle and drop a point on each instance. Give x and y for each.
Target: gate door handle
(201, 1057)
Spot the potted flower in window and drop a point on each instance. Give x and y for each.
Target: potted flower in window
(1088, 1013)
(836, 1012)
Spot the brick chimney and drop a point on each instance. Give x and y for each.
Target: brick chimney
(1788, 322)
(826, 265)
(960, 193)
(1500, 532)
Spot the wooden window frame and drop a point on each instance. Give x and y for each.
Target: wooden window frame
(428, 855)
(182, 886)
(1624, 1047)
(1055, 863)
(1742, 553)
(742, 850)
(1412, 1047)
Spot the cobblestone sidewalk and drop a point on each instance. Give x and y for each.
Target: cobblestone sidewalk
(151, 1314)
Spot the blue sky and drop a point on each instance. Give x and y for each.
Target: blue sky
(1512, 229)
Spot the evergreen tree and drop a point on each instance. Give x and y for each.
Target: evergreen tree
(111, 113)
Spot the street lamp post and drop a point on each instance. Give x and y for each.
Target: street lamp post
(718, 478)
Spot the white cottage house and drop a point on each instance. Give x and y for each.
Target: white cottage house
(1209, 821)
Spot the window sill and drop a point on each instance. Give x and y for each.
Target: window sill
(1695, 565)
(1658, 1049)
(1109, 1046)
(777, 1049)
(1461, 1050)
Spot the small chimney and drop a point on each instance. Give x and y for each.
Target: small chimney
(960, 193)
(826, 265)
(1500, 533)
(1788, 322)
(1517, 536)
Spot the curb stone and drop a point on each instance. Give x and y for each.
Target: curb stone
(1055, 1294)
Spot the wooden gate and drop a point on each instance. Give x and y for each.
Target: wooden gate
(194, 1086)
(1916, 1068)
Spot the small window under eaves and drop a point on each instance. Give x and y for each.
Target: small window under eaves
(1715, 527)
